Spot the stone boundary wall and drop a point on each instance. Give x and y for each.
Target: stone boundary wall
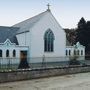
(10, 76)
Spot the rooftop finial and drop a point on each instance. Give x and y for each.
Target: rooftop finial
(48, 5)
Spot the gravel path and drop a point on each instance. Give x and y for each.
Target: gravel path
(67, 82)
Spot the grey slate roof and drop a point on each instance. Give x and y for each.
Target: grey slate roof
(8, 33)
(29, 23)
(24, 26)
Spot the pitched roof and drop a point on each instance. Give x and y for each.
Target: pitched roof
(29, 23)
(8, 33)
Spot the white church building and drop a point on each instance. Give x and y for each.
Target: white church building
(36, 38)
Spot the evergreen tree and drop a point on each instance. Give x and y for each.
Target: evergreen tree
(81, 23)
(81, 32)
(88, 37)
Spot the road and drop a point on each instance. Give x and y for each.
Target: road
(67, 82)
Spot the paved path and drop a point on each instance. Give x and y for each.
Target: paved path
(68, 82)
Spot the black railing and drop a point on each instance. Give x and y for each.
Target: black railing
(45, 62)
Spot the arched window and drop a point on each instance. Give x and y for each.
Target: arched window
(74, 52)
(7, 53)
(66, 52)
(49, 41)
(81, 52)
(78, 52)
(14, 53)
(0, 53)
(69, 52)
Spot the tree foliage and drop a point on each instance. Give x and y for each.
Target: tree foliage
(83, 33)
(70, 35)
(80, 34)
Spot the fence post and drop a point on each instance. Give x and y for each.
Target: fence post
(43, 62)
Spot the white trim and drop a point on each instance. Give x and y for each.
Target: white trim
(7, 41)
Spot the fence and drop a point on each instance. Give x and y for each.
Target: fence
(45, 62)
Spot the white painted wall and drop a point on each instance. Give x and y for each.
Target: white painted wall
(37, 39)
(11, 59)
(23, 39)
(72, 48)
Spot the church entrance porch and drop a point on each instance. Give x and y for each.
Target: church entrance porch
(23, 60)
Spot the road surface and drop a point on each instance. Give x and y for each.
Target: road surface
(67, 82)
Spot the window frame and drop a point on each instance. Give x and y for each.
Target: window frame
(7, 53)
(1, 53)
(14, 53)
(49, 41)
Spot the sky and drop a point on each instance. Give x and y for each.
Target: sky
(67, 12)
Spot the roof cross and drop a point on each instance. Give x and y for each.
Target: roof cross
(48, 5)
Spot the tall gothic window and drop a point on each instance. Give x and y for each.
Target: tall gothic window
(49, 41)
(7, 53)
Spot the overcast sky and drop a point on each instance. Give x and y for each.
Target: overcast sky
(67, 12)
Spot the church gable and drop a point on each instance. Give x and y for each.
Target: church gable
(47, 22)
(8, 43)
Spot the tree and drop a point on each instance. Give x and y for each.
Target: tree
(81, 23)
(70, 35)
(81, 32)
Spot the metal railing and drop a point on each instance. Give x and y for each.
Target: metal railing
(14, 63)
